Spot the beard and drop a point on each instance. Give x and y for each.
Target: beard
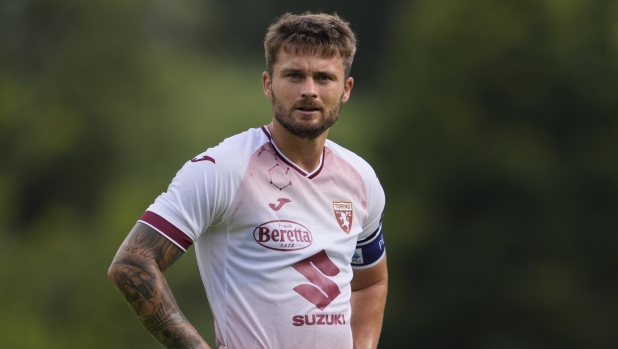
(299, 128)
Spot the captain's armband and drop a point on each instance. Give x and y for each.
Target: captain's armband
(369, 251)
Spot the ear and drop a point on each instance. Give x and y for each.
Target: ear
(267, 85)
(347, 89)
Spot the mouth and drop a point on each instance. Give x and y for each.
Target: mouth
(308, 113)
(307, 108)
(304, 109)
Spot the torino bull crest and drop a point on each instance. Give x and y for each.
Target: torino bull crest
(344, 214)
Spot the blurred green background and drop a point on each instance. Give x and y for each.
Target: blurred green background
(492, 126)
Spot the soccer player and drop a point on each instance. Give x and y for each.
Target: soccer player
(286, 224)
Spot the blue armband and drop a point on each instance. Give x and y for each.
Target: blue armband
(369, 251)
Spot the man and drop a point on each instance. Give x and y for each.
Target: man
(286, 224)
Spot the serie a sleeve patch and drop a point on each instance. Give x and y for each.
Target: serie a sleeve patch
(369, 251)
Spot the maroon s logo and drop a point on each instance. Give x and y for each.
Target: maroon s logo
(312, 268)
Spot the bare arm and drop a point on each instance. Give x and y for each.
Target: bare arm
(137, 273)
(369, 288)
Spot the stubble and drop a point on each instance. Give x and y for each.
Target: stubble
(303, 129)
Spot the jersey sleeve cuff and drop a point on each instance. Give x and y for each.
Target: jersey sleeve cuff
(167, 229)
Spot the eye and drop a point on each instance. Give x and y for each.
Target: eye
(293, 75)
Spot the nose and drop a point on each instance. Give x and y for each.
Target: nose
(309, 89)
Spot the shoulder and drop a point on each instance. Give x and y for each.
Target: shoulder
(357, 162)
(374, 192)
(244, 143)
(204, 188)
(234, 151)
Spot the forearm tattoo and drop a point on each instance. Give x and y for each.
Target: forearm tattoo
(136, 271)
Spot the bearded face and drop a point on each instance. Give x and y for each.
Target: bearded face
(307, 92)
(304, 126)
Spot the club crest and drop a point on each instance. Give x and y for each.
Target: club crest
(344, 214)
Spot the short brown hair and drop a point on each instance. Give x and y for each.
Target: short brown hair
(324, 34)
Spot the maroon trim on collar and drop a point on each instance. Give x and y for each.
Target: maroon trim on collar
(321, 165)
(302, 172)
(266, 132)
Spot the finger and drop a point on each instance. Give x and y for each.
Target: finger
(136, 280)
(128, 290)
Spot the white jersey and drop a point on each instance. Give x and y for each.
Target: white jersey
(275, 245)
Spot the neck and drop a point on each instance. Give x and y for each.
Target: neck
(305, 153)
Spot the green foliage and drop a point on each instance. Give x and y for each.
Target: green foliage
(97, 113)
(506, 194)
(492, 128)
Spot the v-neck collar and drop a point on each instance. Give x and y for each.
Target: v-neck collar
(290, 163)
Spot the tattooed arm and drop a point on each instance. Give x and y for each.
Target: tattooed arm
(137, 273)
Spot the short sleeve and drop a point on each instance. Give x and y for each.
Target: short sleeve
(370, 247)
(194, 200)
(202, 192)
(376, 201)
